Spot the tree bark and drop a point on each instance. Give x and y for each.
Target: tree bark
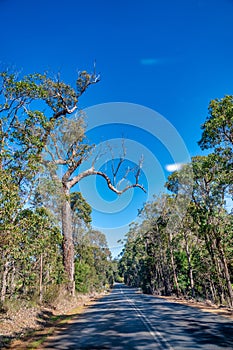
(41, 278)
(173, 266)
(226, 270)
(67, 229)
(68, 245)
(190, 269)
(4, 280)
(212, 290)
(211, 247)
(12, 282)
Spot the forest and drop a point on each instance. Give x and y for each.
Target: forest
(47, 241)
(182, 243)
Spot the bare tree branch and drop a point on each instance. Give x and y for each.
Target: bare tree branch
(92, 171)
(120, 162)
(139, 169)
(128, 170)
(58, 161)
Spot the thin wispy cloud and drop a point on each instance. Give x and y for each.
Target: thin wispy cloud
(150, 61)
(174, 167)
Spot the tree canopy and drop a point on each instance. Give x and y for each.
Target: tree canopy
(191, 256)
(183, 243)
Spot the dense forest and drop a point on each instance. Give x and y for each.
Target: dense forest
(47, 241)
(183, 243)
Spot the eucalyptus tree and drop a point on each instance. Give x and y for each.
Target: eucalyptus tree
(80, 208)
(30, 108)
(34, 124)
(39, 259)
(68, 149)
(218, 128)
(217, 134)
(148, 259)
(10, 234)
(93, 265)
(207, 208)
(187, 242)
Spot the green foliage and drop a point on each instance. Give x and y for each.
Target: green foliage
(35, 237)
(192, 256)
(51, 293)
(9, 200)
(35, 137)
(84, 277)
(218, 128)
(80, 207)
(93, 265)
(163, 254)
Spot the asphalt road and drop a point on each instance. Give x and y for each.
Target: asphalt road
(126, 319)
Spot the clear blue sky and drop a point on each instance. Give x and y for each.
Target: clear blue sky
(170, 56)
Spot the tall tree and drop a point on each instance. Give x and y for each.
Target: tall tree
(218, 128)
(67, 148)
(93, 269)
(34, 119)
(209, 188)
(10, 206)
(217, 134)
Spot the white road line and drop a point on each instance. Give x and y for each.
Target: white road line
(156, 335)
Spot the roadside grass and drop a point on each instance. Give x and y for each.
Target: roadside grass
(34, 339)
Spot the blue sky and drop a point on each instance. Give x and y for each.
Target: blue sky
(170, 56)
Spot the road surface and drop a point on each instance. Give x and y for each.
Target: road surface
(127, 319)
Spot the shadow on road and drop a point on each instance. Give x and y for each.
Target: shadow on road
(126, 319)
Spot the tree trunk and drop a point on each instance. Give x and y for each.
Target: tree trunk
(41, 278)
(191, 280)
(68, 244)
(226, 271)
(4, 280)
(173, 266)
(165, 276)
(213, 291)
(12, 282)
(211, 247)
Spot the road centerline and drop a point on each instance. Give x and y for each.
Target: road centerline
(155, 334)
